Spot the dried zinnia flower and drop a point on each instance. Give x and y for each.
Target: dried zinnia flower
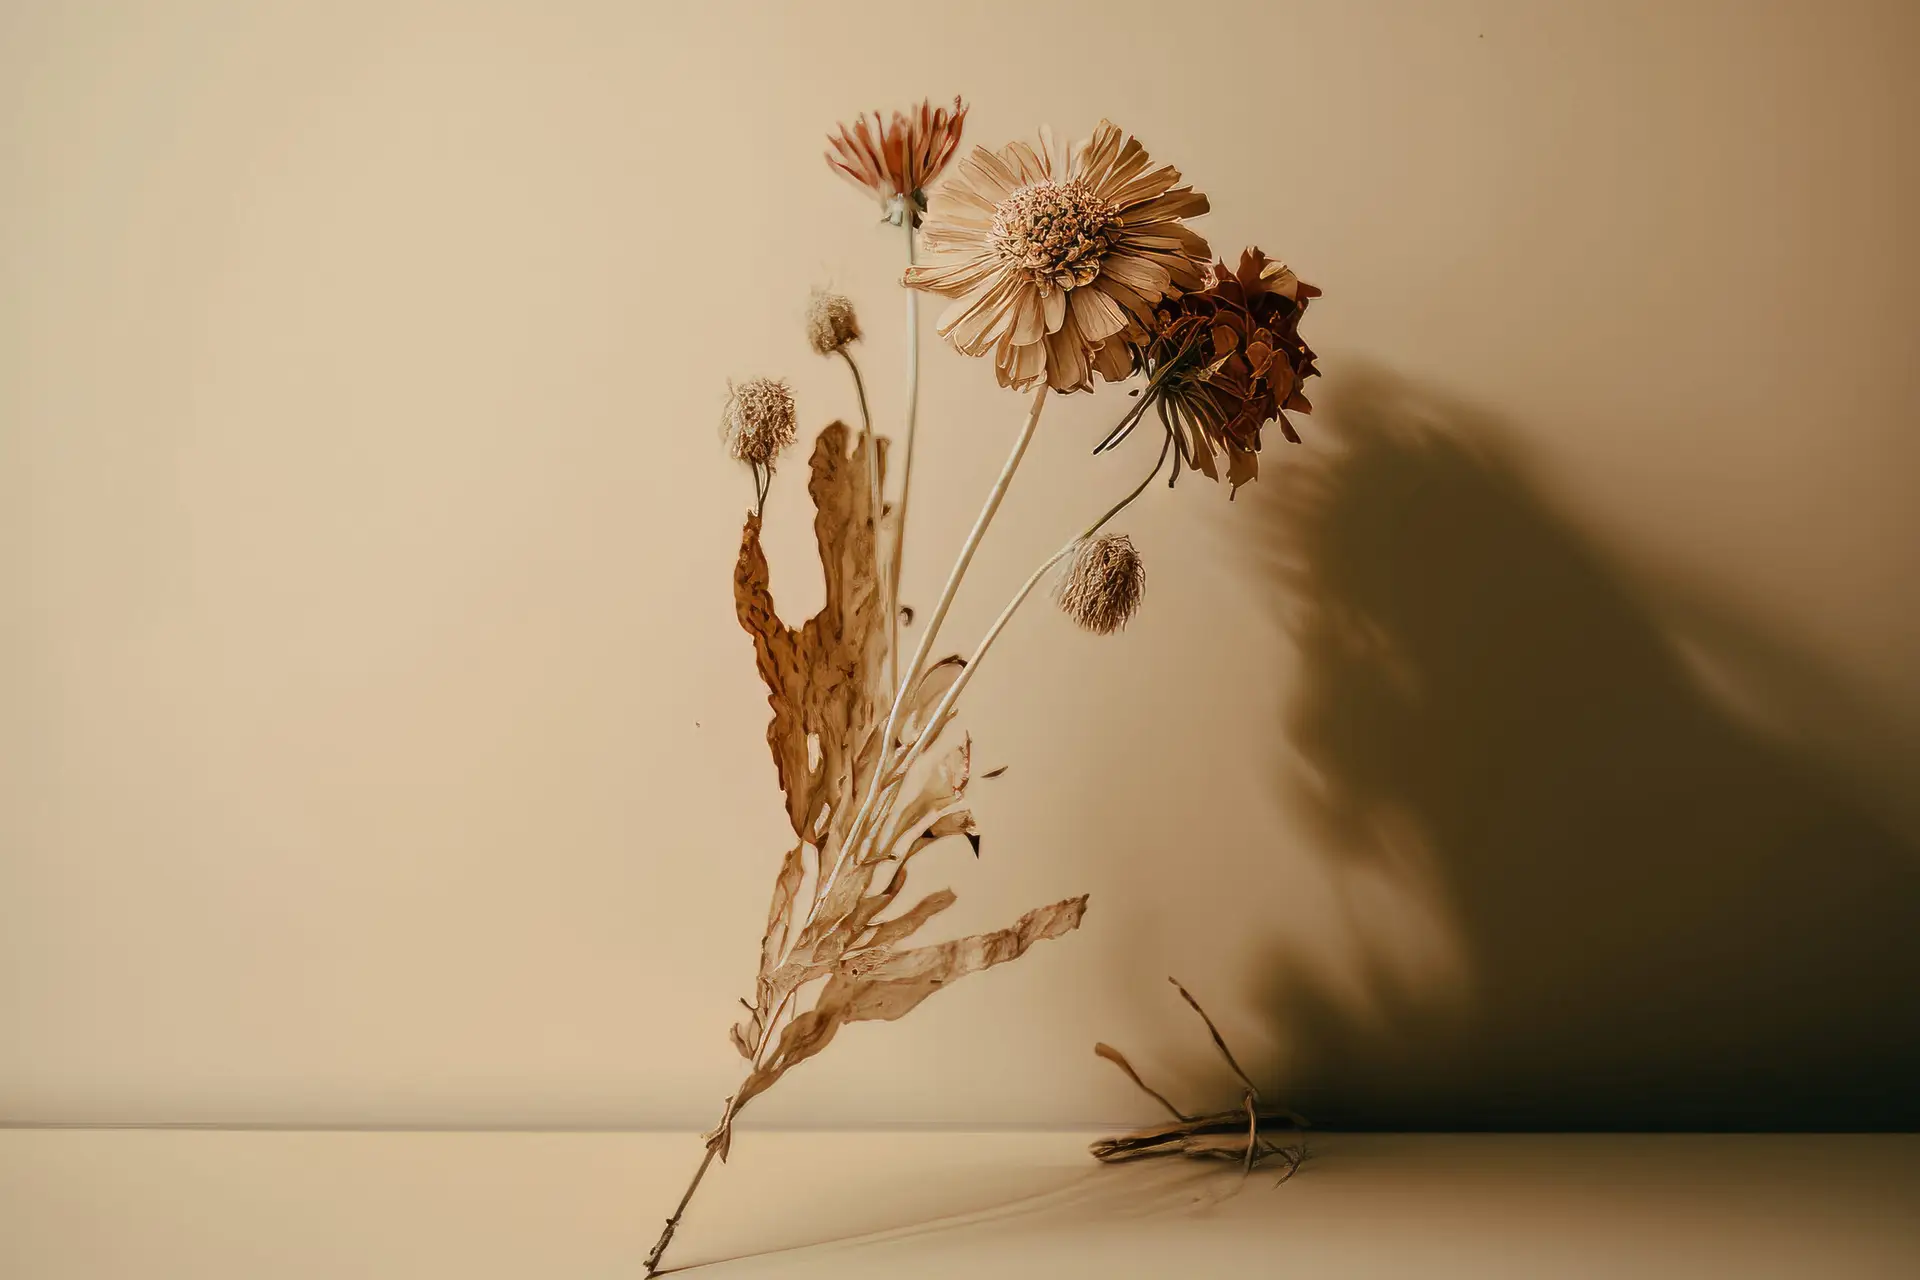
(831, 323)
(1229, 359)
(895, 162)
(1103, 587)
(1051, 263)
(759, 420)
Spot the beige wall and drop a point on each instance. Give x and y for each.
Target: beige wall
(377, 744)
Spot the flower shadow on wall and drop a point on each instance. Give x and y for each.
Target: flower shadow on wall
(1669, 921)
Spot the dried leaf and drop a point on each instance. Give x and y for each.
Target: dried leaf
(745, 1034)
(944, 786)
(908, 977)
(797, 973)
(780, 915)
(957, 823)
(842, 903)
(838, 934)
(776, 649)
(821, 679)
(800, 1039)
(926, 695)
(901, 982)
(903, 926)
(825, 685)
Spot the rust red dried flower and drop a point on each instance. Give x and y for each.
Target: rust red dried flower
(1228, 359)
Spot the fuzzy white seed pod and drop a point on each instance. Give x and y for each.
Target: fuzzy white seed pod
(1103, 587)
(759, 420)
(831, 323)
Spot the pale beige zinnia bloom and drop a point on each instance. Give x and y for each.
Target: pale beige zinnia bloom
(1050, 264)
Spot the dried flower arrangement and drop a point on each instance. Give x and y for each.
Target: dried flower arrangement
(1062, 265)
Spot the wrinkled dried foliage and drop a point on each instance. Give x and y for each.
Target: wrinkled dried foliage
(826, 685)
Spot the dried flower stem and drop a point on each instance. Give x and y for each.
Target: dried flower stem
(862, 820)
(952, 695)
(906, 472)
(720, 1140)
(873, 485)
(762, 483)
(666, 1236)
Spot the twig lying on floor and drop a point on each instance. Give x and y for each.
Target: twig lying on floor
(1223, 1135)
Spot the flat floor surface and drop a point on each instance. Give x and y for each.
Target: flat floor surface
(157, 1204)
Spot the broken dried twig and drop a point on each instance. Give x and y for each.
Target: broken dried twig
(1236, 1135)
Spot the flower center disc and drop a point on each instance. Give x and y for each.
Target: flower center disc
(1057, 231)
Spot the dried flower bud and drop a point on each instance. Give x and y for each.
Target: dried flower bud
(759, 420)
(830, 322)
(1104, 586)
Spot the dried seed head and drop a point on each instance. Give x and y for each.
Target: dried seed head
(830, 322)
(1104, 586)
(759, 420)
(1055, 232)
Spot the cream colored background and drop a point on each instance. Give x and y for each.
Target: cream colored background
(376, 741)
